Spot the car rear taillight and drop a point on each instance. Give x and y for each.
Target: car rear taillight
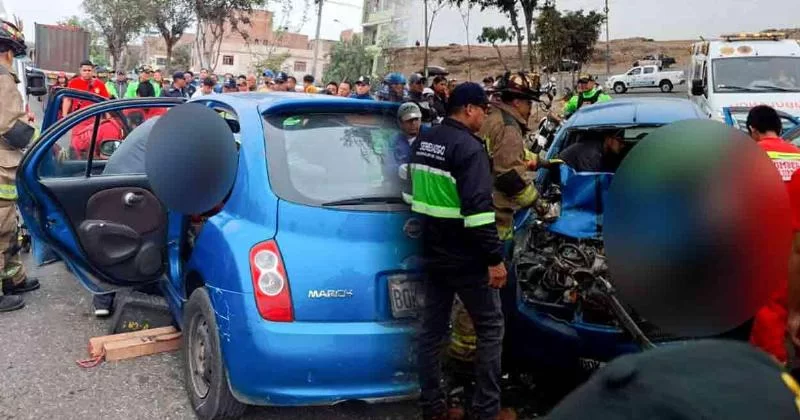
(270, 284)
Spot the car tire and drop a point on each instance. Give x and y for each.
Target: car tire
(209, 394)
(619, 88)
(665, 86)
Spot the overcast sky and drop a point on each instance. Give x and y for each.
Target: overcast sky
(348, 12)
(658, 19)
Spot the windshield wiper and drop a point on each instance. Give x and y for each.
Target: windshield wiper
(740, 88)
(357, 201)
(778, 88)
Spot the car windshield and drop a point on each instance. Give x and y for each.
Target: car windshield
(757, 74)
(334, 159)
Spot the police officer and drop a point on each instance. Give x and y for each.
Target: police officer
(588, 94)
(362, 89)
(178, 88)
(15, 134)
(463, 255)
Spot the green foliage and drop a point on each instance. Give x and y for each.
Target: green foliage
(218, 16)
(273, 62)
(570, 35)
(181, 58)
(118, 20)
(494, 36)
(348, 61)
(171, 18)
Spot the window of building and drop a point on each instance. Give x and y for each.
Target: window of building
(161, 61)
(299, 66)
(227, 60)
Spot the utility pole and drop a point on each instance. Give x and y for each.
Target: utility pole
(608, 45)
(316, 41)
(425, 60)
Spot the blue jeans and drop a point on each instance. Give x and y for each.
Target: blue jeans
(483, 305)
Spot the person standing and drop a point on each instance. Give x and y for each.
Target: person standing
(451, 190)
(345, 89)
(136, 90)
(206, 89)
(416, 85)
(252, 82)
(179, 89)
(332, 88)
(439, 87)
(15, 134)
(87, 83)
(362, 89)
(291, 84)
(770, 322)
(588, 94)
(308, 84)
(117, 88)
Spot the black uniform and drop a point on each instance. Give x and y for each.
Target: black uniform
(452, 191)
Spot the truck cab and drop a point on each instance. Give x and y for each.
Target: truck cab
(645, 76)
(745, 70)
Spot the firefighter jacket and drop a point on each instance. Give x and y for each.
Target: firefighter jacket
(12, 119)
(451, 187)
(503, 132)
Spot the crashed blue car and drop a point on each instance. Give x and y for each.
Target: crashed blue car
(297, 289)
(559, 318)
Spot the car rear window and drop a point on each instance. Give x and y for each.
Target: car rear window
(321, 159)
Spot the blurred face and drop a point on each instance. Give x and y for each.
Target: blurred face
(180, 83)
(362, 88)
(207, 89)
(121, 77)
(344, 90)
(61, 81)
(614, 144)
(251, 81)
(158, 77)
(398, 88)
(86, 72)
(416, 87)
(411, 127)
(145, 76)
(474, 116)
(584, 86)
(332, 89)
(242, 86)
(523, 106)
(291, 85)
(203, 74)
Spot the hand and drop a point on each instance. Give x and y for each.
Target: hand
(531, 165)
(794, 330)
(31, 117)
(498, 276)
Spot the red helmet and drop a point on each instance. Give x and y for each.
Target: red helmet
(12, 37)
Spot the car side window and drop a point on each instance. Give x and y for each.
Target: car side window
(94, 139)
(648, 70)
(636, 71)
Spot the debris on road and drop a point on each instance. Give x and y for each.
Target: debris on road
(130, 345)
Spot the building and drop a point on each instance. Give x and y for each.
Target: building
(386, 24)
(154, 50)
(261, 44)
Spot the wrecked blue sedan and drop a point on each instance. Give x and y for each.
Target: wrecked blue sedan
(266, 221)
(559, 314)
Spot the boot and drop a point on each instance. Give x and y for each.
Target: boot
(11, 303)
(27, 285)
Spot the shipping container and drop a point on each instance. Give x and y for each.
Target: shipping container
(60, 48)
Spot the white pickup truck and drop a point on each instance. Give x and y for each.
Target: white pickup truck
(645, 77)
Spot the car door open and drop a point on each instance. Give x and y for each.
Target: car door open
(111, 227)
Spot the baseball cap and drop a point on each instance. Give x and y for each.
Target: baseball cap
(408, 110)
(268, 73)
(281, 77)
(178, 75)
(585, 77)
(416, 78)
(703, 379)
(468, 94)
(363, 80)
(230, 83)
(121, 73)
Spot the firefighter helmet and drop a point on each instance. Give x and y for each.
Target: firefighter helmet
(520, 84)
(11, 36)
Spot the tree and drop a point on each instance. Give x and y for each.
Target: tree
(508, 8)
(171, 18)
(582, 31)
(528, 7)
(348, 60)
(273, 62)
(214, 19)
(268, 57)
(97, 51)
(119, 21)
(551, 36)
(495, 35)
(465, 11)
(438, 5)
(182, 57)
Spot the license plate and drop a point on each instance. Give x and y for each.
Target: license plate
(405, 296)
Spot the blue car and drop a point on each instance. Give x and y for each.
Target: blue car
(558, 329)
(298, 289)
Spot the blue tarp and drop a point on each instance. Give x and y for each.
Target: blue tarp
(583, 198)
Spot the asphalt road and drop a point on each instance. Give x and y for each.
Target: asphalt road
(39, 377)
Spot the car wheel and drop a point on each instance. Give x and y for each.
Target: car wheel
(204, 372)
(666, 86)
(619, 88)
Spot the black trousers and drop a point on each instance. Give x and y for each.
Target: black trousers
(483, 305)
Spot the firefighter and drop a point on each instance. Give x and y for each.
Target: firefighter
(15, 134)
(452, 191)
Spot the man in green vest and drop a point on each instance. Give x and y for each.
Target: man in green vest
(145, 76)
(588, 94)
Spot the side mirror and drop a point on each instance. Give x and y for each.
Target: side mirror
(108, 147)
(36, 85)
(697, 87)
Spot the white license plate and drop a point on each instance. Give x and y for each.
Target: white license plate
(405, 295)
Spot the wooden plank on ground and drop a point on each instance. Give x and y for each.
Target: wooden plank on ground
(142, 346)
(96, 343)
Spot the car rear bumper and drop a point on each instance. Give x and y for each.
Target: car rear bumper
(313, 363)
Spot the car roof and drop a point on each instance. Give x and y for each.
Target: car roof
(269, 102)
(635, 111)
